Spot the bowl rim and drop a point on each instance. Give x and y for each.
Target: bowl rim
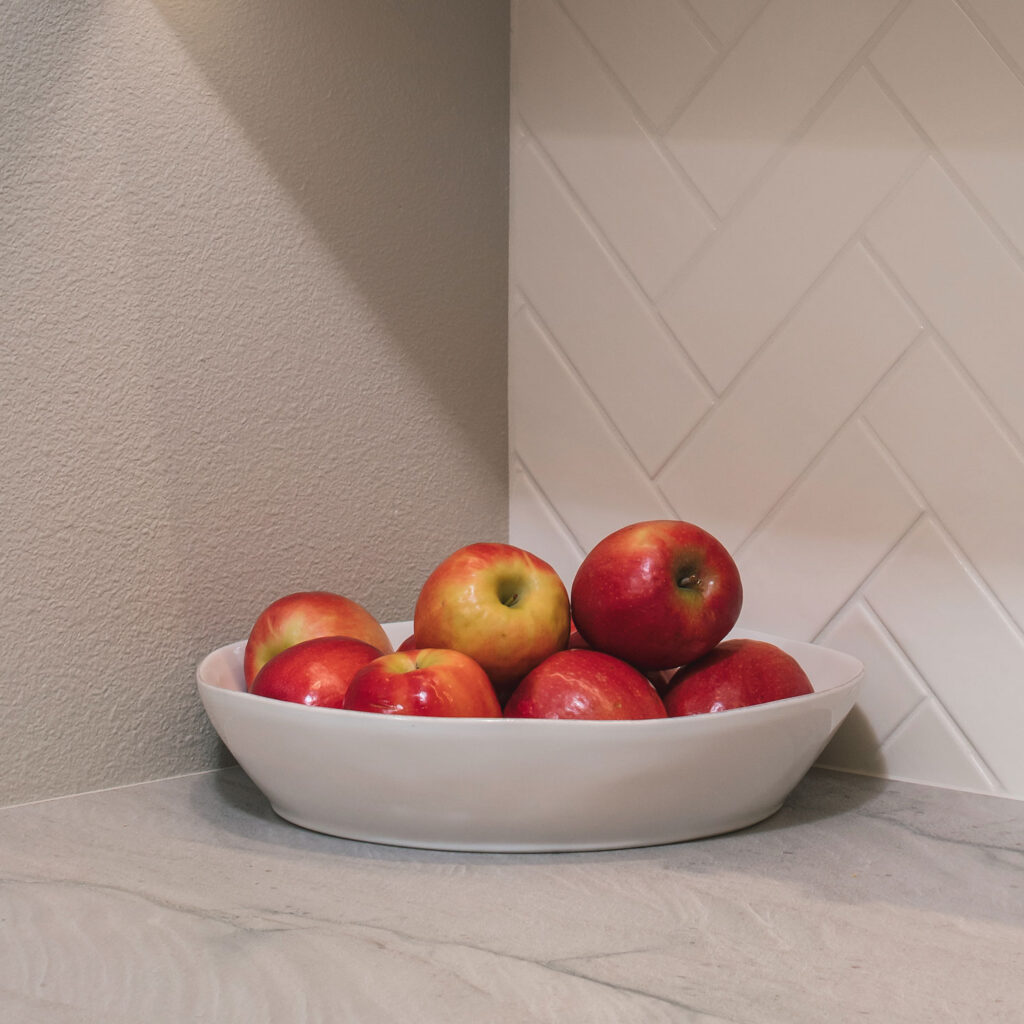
(854, 674)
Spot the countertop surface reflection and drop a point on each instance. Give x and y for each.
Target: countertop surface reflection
(190, 900)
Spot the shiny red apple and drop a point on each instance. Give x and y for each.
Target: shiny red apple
(584, 684)
(736, 674)
(657, 594)
(438, 683)
(504, 607)
(302, 616)
(314, 672)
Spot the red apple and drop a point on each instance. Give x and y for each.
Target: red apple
(314, 672)
(657, 594)
(408, 644)
(303, 616)
(736, 674)
(581, 683)
(504, 607)
(440, 683)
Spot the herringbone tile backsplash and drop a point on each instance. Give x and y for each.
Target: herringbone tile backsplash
(768, 277)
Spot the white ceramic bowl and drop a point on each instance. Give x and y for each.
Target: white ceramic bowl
(526, 785)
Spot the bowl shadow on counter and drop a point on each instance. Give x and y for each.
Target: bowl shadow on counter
(848, 774)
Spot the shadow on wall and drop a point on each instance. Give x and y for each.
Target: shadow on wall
(200, 412)
(386, 123)
(855, 747)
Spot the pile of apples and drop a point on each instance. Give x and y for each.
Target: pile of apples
(496, 634)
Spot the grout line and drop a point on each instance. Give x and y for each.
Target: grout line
(520, 463)
(883, 268)
(859, 594)
(961, 184)
(974, 574)
(850, 243)
(891, 461)
(652, 132)
(981, 26)
(843, 77)
(643, 120)
(818, 278)
(550, 340)
(716, 219)
(854, 419)
(903, 724)
(703, 27)
(860, 600)
(621, 268)
(999, 422)
(996, 784)
(854, 242)
(966, 564)
(785, 144)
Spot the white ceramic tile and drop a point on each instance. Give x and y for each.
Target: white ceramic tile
(602, 322)
(944, 438)
(534, 525)
(825, 538)
(927, 747)
(960, 642)
(966, 98)
(890, 691)
(765, 87)
(653, 46)
(727, 18)
(576, 458)
(764, 259)
(790, 400)
(916, 144)
(1004, 19)
(586, 125)
(963, 278)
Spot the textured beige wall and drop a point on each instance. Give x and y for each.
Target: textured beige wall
(253, 292)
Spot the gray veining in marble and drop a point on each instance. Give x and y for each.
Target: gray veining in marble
(189, 900)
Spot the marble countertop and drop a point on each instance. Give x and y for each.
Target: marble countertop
(189, 900)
